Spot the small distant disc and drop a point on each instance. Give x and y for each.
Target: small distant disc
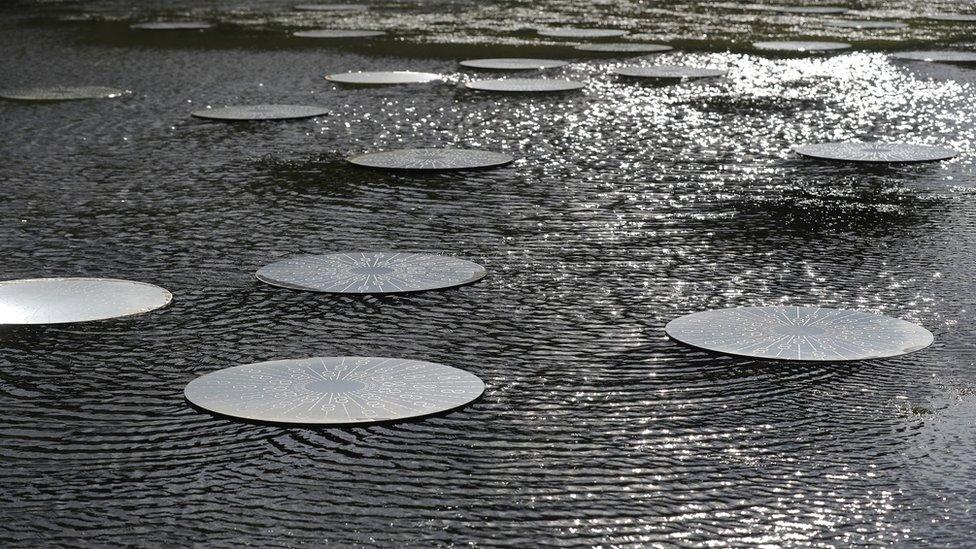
(667, 72)
(953, 17)
(63, 300)
(173, 25)
(260, 112)
(845, 24)
(431, 159)
(512, 64)
(572, 32)
(799, 333)
(525, 85)
(60, 93)
(331, 7)
(875, 152)
(338, 33)
(801, 46)
(937, 56)
(370, 272)
(812, 10)
(624, 47)
(334, 390)
(381, 78)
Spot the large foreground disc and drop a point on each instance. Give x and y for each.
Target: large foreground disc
(431, 159)
(260, 112)
(63, 300)
(875, 152)
(801, 47)
(572, 32)
(370, 272)
(60, 93)
(667, 72)
(624, 47)
(383, 78)
(799, 333)
(938, 56)
(512, 64)
(525, 85)
(334, 390)
(338, 33)
(173, 25)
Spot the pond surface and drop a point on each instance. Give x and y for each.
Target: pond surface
(629, 204)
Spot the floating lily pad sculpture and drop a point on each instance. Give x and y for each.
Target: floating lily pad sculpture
(431, 159)
(66, 300)
(260, 112)
(851, 151)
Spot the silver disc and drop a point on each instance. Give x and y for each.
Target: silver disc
(668, 72)
(624, 47)
(953, 17)
(875, 152)
(512, 64)
(63, 300)
(810, 10)
(334, 390)
(799, 333)
(338, 33)
(370, 272)
(525, 85)
(60, 93)
(431, 159)
(260, 112)
(938, 56)
(331, 7)
(844, 24)
(173, 25)
(383, 78)
(572, 32)
(801, 46)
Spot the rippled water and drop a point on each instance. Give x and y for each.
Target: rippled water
(629, 204)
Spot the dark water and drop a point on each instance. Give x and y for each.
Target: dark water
(629, 205)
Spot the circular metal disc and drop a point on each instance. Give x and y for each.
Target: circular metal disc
(370, 272)
(572, 32)
(331, 7)
(937, 56)
(334, 390)
(844, 24)
(63, 300)
(799, 333)
(624, 47)
(818, 10)
(522, 85)
(431, 159)
(173, 25)
(383, 78)
(801, 46)
(260, 112)
(338, 33)
(875, 152)
(669, 72)
(512, 64)
(60, 93)
(953, 17)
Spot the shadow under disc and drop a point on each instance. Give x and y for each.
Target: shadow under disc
(64, 300)
(60, 93)
(850, 151)
(172, 25)
(800, 46)
(624, 47)
(512, 64)
(799, 333)
(842, 24)
(383, 78)
(334, 390)
(370, 272)
(260, 112)
(331, 7)
(431, 159)
(338, 33)
(573, 32)
(937, 56)
(525, 85)
(669, 72)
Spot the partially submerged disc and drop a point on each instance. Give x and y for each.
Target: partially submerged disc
(60, 93)
(849, 24)
(624, 47)
(338, 33)
(850, 151)
(63, 300)
(668, 72)
(572, 32)
(261, 112)
(173, 25)
(370, 272)
(938, 56)
(953, 17)
(334, 390)
(331, 7)
(799, 333)
(512, 64)
(382, 78)
(801, 46)
(525, 85)
(431, 159)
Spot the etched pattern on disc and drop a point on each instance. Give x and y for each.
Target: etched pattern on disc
(525, 85)
(799, 333)
(431, 159)
(801, 46)
(875, 152)
(64, 300)
(60, 93)
(334, 390)
(370, 272)
(260, 112)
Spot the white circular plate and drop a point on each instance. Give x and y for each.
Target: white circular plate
(64, 300)
(810, 10)
(525, 85)
(338, 33)
(173, 25)
(431, 159)
(668, 72)
(334, 390)
(801, 47)
(383, 78)
(799, 333)
(846, 24)
(512, 64)
(953, 17)
(260, 112)
(850, 151)
(937, 56)
(572, 32)
(624, 47)
(60, 93)
(331, 7)
(370, 272)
